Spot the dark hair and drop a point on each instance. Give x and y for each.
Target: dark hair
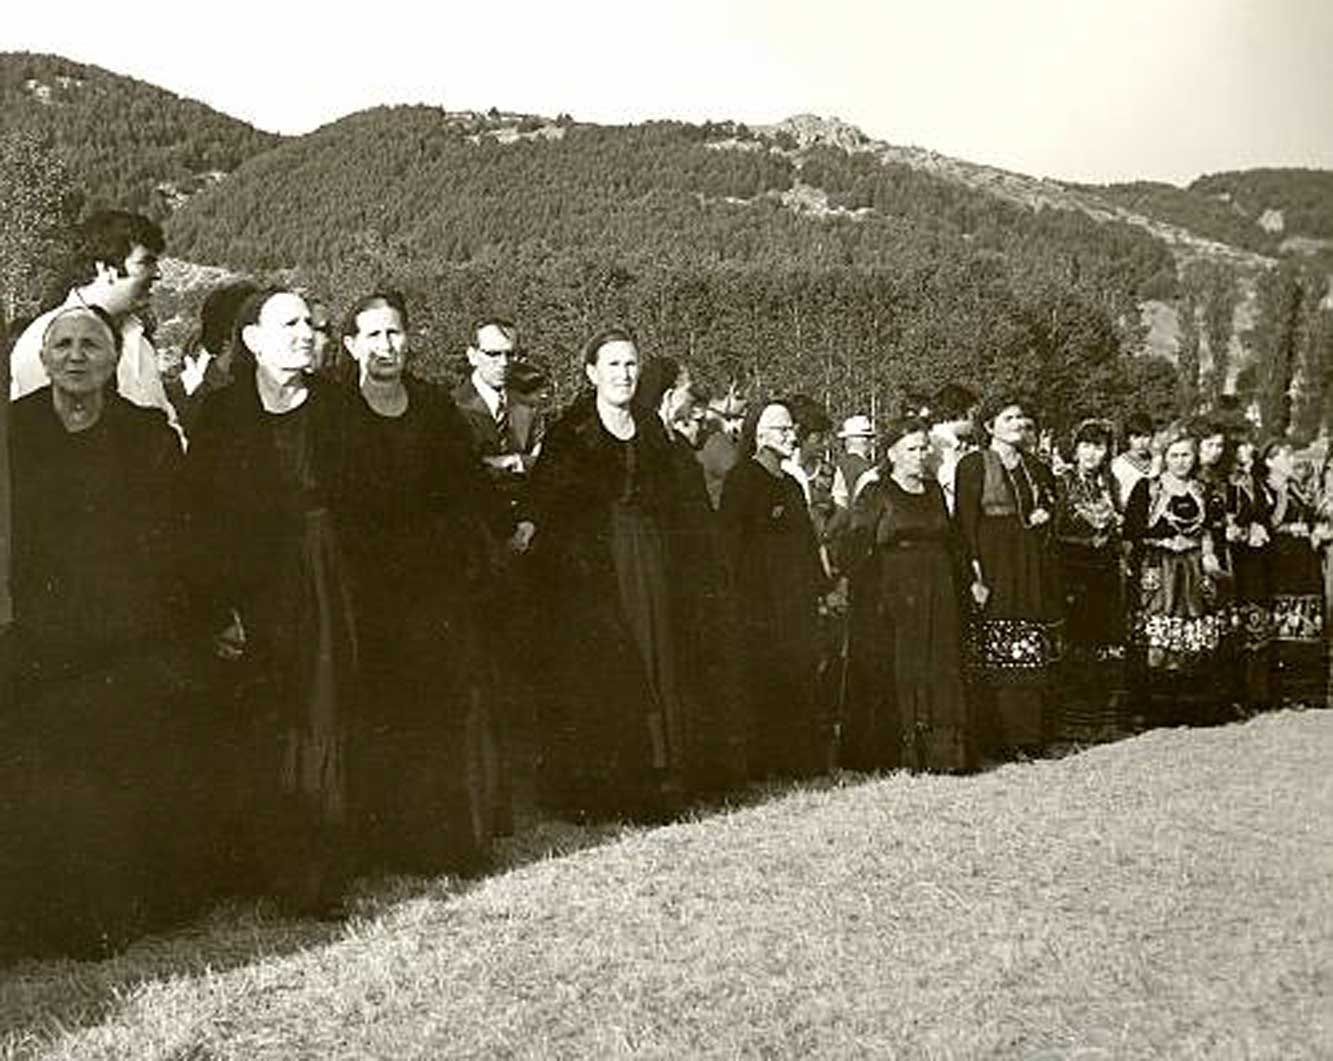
(995, 404)
(613, 334)
(1267, 448)
(388, 299)
(242, 356)
(900, 428)
(656, 377)
(97, 311)
(953, 401)
(507, 326)
(1097, 432)
(1138, 423)
(808, 416)
(109, 236)
(217, 316)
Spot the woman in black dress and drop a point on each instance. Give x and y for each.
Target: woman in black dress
(418, 515)
(777, 580)
(1087, 538)
(264, 464)
(96, 804)
(1005, 503)
(601, 496)
(1297, 582)
(907, 701)
(1249, 543)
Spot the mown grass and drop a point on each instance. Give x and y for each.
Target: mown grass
(1167, 896)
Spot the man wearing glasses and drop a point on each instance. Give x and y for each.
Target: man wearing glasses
(119, 253)
(506, 429)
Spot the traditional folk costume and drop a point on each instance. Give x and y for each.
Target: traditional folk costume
(776, 580)
(1178, 628)
(1298, 599)
(1087, 535)
(611, 712)
(906, 699)
(1017, 637)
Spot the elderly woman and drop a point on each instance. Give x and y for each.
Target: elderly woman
(265, 460)
(1177, 627)
(907, 701)
(1087, 538)
(1005, 501)
(411, 494)
(776, 579)
(602, 497)
(1298, 537)
(94, 738)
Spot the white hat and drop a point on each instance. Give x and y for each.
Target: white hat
(857, 427)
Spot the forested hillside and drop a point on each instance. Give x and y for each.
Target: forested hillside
(802, 255)
(768, 264)
(126, 143)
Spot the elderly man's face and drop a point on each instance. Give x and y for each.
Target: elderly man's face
(776, 431)
(79, 353)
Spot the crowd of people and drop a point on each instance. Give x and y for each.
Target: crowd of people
(289, 615)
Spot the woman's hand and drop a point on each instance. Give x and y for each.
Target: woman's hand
(1211, 565)
(1258, 536)
(1039, 517)
(980, 593)
(229, 644)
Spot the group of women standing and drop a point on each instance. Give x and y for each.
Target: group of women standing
(267, 666)
(1075, 612)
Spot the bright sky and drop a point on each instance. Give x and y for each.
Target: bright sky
(1078, 89)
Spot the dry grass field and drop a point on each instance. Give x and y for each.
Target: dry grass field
(1166, 896)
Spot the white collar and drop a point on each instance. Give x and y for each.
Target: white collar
(489, 394)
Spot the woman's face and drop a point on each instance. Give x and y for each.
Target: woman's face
(615, 373)
(908, 454)
(1179, 458)
(1009, 425)
(1088, 455)
(1281, 464)
(283, 339)
(79, 353)
(1210, 450)
(1245, 456)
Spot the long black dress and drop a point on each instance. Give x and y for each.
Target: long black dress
(1016, 640)
(1250, 549)
(1300, 661)
(1087, 538)
(96, 811)
(907, 704)
(776, 578)
(609, 712)
(714, 731)
(263, 505)
(416, 511)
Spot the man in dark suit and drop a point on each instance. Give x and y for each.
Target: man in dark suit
(506, 429)
(506, 432)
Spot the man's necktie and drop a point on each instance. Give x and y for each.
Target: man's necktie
(502, 420)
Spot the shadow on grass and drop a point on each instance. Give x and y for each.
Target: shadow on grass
(42, 999)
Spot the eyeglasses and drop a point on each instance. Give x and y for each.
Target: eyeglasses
(513, 355)
(784, 428)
